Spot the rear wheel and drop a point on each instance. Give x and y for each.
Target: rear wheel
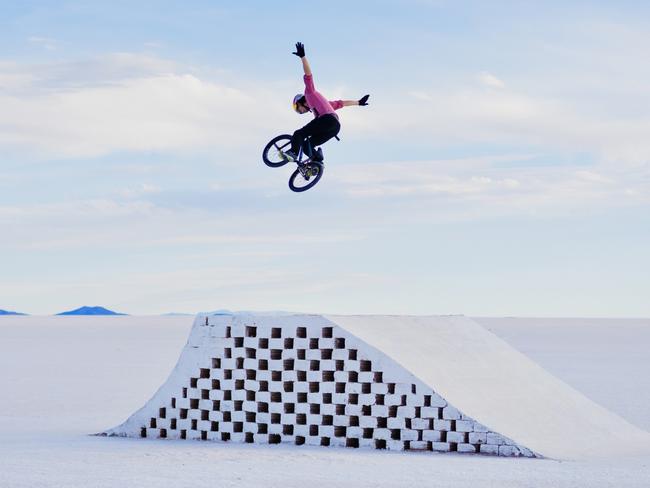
(306, 176)
(273, 154)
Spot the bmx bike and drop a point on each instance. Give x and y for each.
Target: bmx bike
(310, 162)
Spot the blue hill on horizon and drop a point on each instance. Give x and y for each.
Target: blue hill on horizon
(91, 311)
(8, 312)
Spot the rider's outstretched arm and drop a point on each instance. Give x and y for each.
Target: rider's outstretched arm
(305, 66)
(363, 101)
(300, 52)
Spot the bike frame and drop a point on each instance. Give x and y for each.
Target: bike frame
(307, 140)
(302, 153)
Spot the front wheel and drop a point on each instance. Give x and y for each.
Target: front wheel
(273, 153)
(306, 176)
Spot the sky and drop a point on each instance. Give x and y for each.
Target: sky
(500, 169)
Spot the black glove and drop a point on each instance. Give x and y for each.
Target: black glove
(300, 50)
(363, 101)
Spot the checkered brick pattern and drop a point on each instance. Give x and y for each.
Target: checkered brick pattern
(314, 386)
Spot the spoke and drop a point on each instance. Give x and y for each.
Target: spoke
(277, 154)
(276, 151)
(301, 180)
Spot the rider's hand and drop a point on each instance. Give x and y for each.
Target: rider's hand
(300, 50)
(363, 101)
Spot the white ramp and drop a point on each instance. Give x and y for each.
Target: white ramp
(498, 386)
(385, 382)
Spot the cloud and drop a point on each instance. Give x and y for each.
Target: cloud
(45, 42)
(463, 115)
(496, 186)
(103, 70)
(140, 190)
(13, 78)
(130, 221)
(147, 114)
(490, 80)
(127, 103)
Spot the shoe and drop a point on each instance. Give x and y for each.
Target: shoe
(290, 156)
(318, 155)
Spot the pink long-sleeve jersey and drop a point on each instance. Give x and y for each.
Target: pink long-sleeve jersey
(318, 104)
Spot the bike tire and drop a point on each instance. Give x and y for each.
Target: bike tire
(277, 143)
(297, 175)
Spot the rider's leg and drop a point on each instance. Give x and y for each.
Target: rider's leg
(321, 129)
(302, 133)
(328, 129)
(325, 129)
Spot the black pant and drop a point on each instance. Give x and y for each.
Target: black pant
(319, 130)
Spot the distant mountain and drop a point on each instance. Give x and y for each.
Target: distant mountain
(91, 311)
(7, 312)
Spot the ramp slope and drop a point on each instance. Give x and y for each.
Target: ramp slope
(498, 386)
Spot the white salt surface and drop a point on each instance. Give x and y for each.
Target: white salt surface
(605, 359)
(64, 377)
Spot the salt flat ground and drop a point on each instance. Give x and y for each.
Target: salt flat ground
(64, 377)
(605, 359)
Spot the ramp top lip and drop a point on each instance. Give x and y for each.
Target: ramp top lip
(322, 314)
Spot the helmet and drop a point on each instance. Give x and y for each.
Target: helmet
(299, 98)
